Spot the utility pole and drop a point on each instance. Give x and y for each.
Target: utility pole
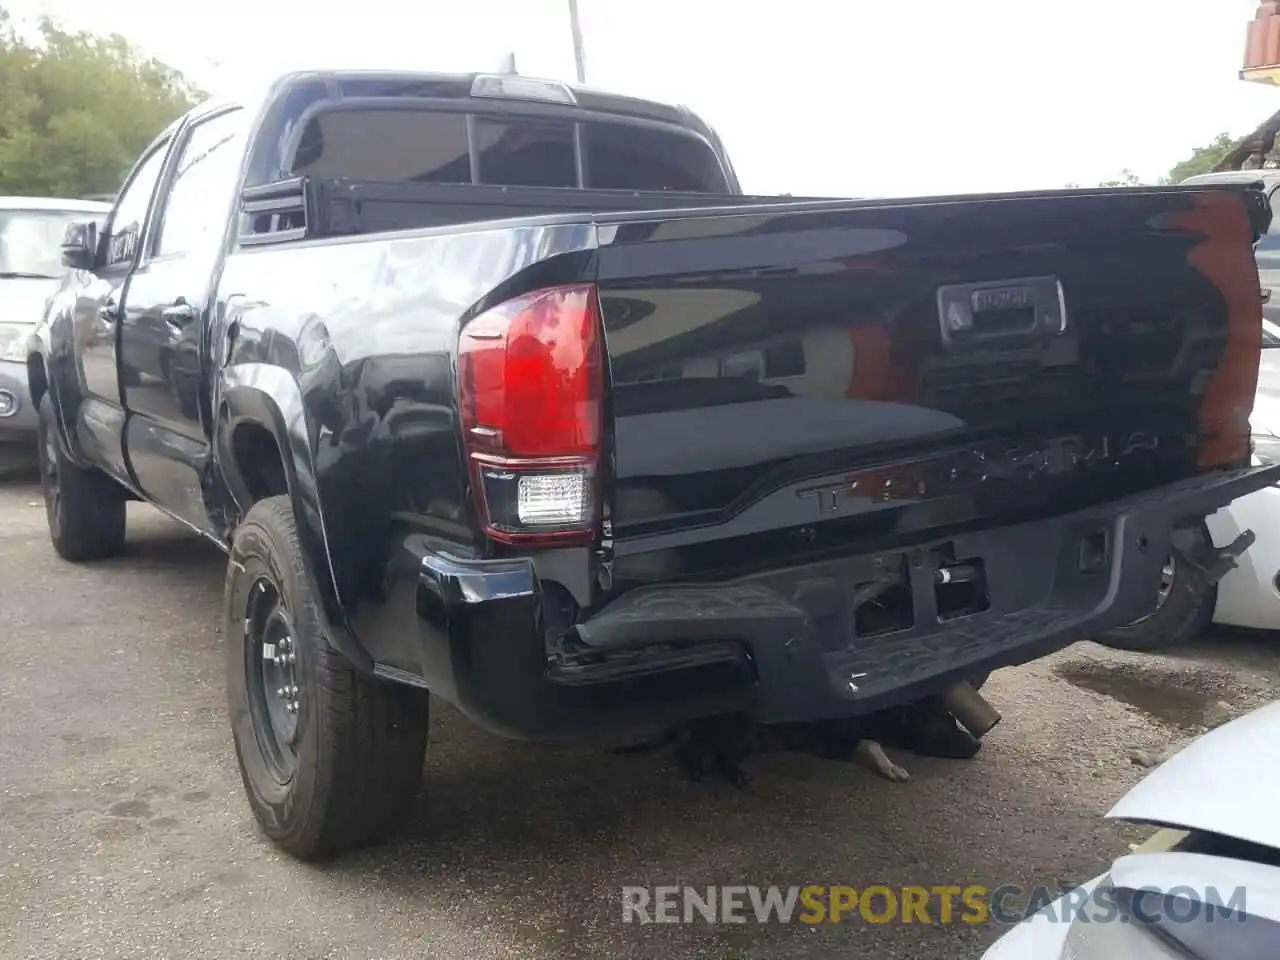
(576, 28)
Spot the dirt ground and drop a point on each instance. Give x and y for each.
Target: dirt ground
(124, 833)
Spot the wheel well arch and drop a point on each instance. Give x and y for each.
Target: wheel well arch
(257, 457)
(255, 467)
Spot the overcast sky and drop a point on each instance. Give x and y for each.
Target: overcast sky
(826, 97)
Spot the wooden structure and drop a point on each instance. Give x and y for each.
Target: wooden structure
(1261, 65)
(1262, 45)
(1256, 150)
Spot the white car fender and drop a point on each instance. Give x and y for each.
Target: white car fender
(1247, 595)
(1226, 782)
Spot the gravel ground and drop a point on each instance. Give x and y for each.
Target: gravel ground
(124, 834)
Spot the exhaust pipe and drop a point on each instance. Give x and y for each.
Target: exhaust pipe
(969, 707)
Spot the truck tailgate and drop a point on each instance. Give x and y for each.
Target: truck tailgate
(796, 380)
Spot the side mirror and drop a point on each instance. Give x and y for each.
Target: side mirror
(80, 245)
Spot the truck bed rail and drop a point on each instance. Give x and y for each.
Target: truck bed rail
(306, 208)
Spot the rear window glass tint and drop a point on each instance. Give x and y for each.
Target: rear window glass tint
(415, 146)
(387, 146)
(625, 157)
(526, 153)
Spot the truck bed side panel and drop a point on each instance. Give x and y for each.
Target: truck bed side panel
(367, 329)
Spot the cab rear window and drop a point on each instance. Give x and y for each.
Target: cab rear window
(624, 157)
(417, 146)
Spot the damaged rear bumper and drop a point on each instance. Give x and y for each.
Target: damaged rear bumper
(792, 644)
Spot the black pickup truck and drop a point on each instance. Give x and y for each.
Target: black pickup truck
(500, 390)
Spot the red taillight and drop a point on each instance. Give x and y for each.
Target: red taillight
(530, 383)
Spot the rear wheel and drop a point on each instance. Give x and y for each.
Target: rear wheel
(1185, 603)
(85, 509)
(331, 759)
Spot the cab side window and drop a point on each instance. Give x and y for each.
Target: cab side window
(195, 210)
(130, 215)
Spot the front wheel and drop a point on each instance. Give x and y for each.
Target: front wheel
(85, 508)
(331, 759)
(1185, 602)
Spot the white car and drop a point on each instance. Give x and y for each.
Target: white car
(1206, 887)
(1249, 595)
(31, 231)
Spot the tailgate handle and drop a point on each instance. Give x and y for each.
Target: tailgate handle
(998, 310)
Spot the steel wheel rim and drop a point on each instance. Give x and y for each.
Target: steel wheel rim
(1167, 574)
(272, 678)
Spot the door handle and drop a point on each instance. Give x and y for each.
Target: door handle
(178, 314)
(109, 313)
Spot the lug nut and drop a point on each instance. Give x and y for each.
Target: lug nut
(290, 658)
(280, 692)
(293, 707)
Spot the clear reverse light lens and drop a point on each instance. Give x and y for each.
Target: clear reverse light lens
(552, 499)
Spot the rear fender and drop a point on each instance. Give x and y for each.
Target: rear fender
(268, 396)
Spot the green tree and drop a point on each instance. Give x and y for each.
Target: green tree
(1126, 178)
(1202, 159)
(76, 109)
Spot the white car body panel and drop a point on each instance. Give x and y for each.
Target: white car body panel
(1043, 935)
(1166, 871)
(1247, 595)
(1226, 782)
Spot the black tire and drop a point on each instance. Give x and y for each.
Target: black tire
(352, 771)
(85, 509)
(1185, 613)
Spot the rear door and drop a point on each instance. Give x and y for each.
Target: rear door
(165, 317)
